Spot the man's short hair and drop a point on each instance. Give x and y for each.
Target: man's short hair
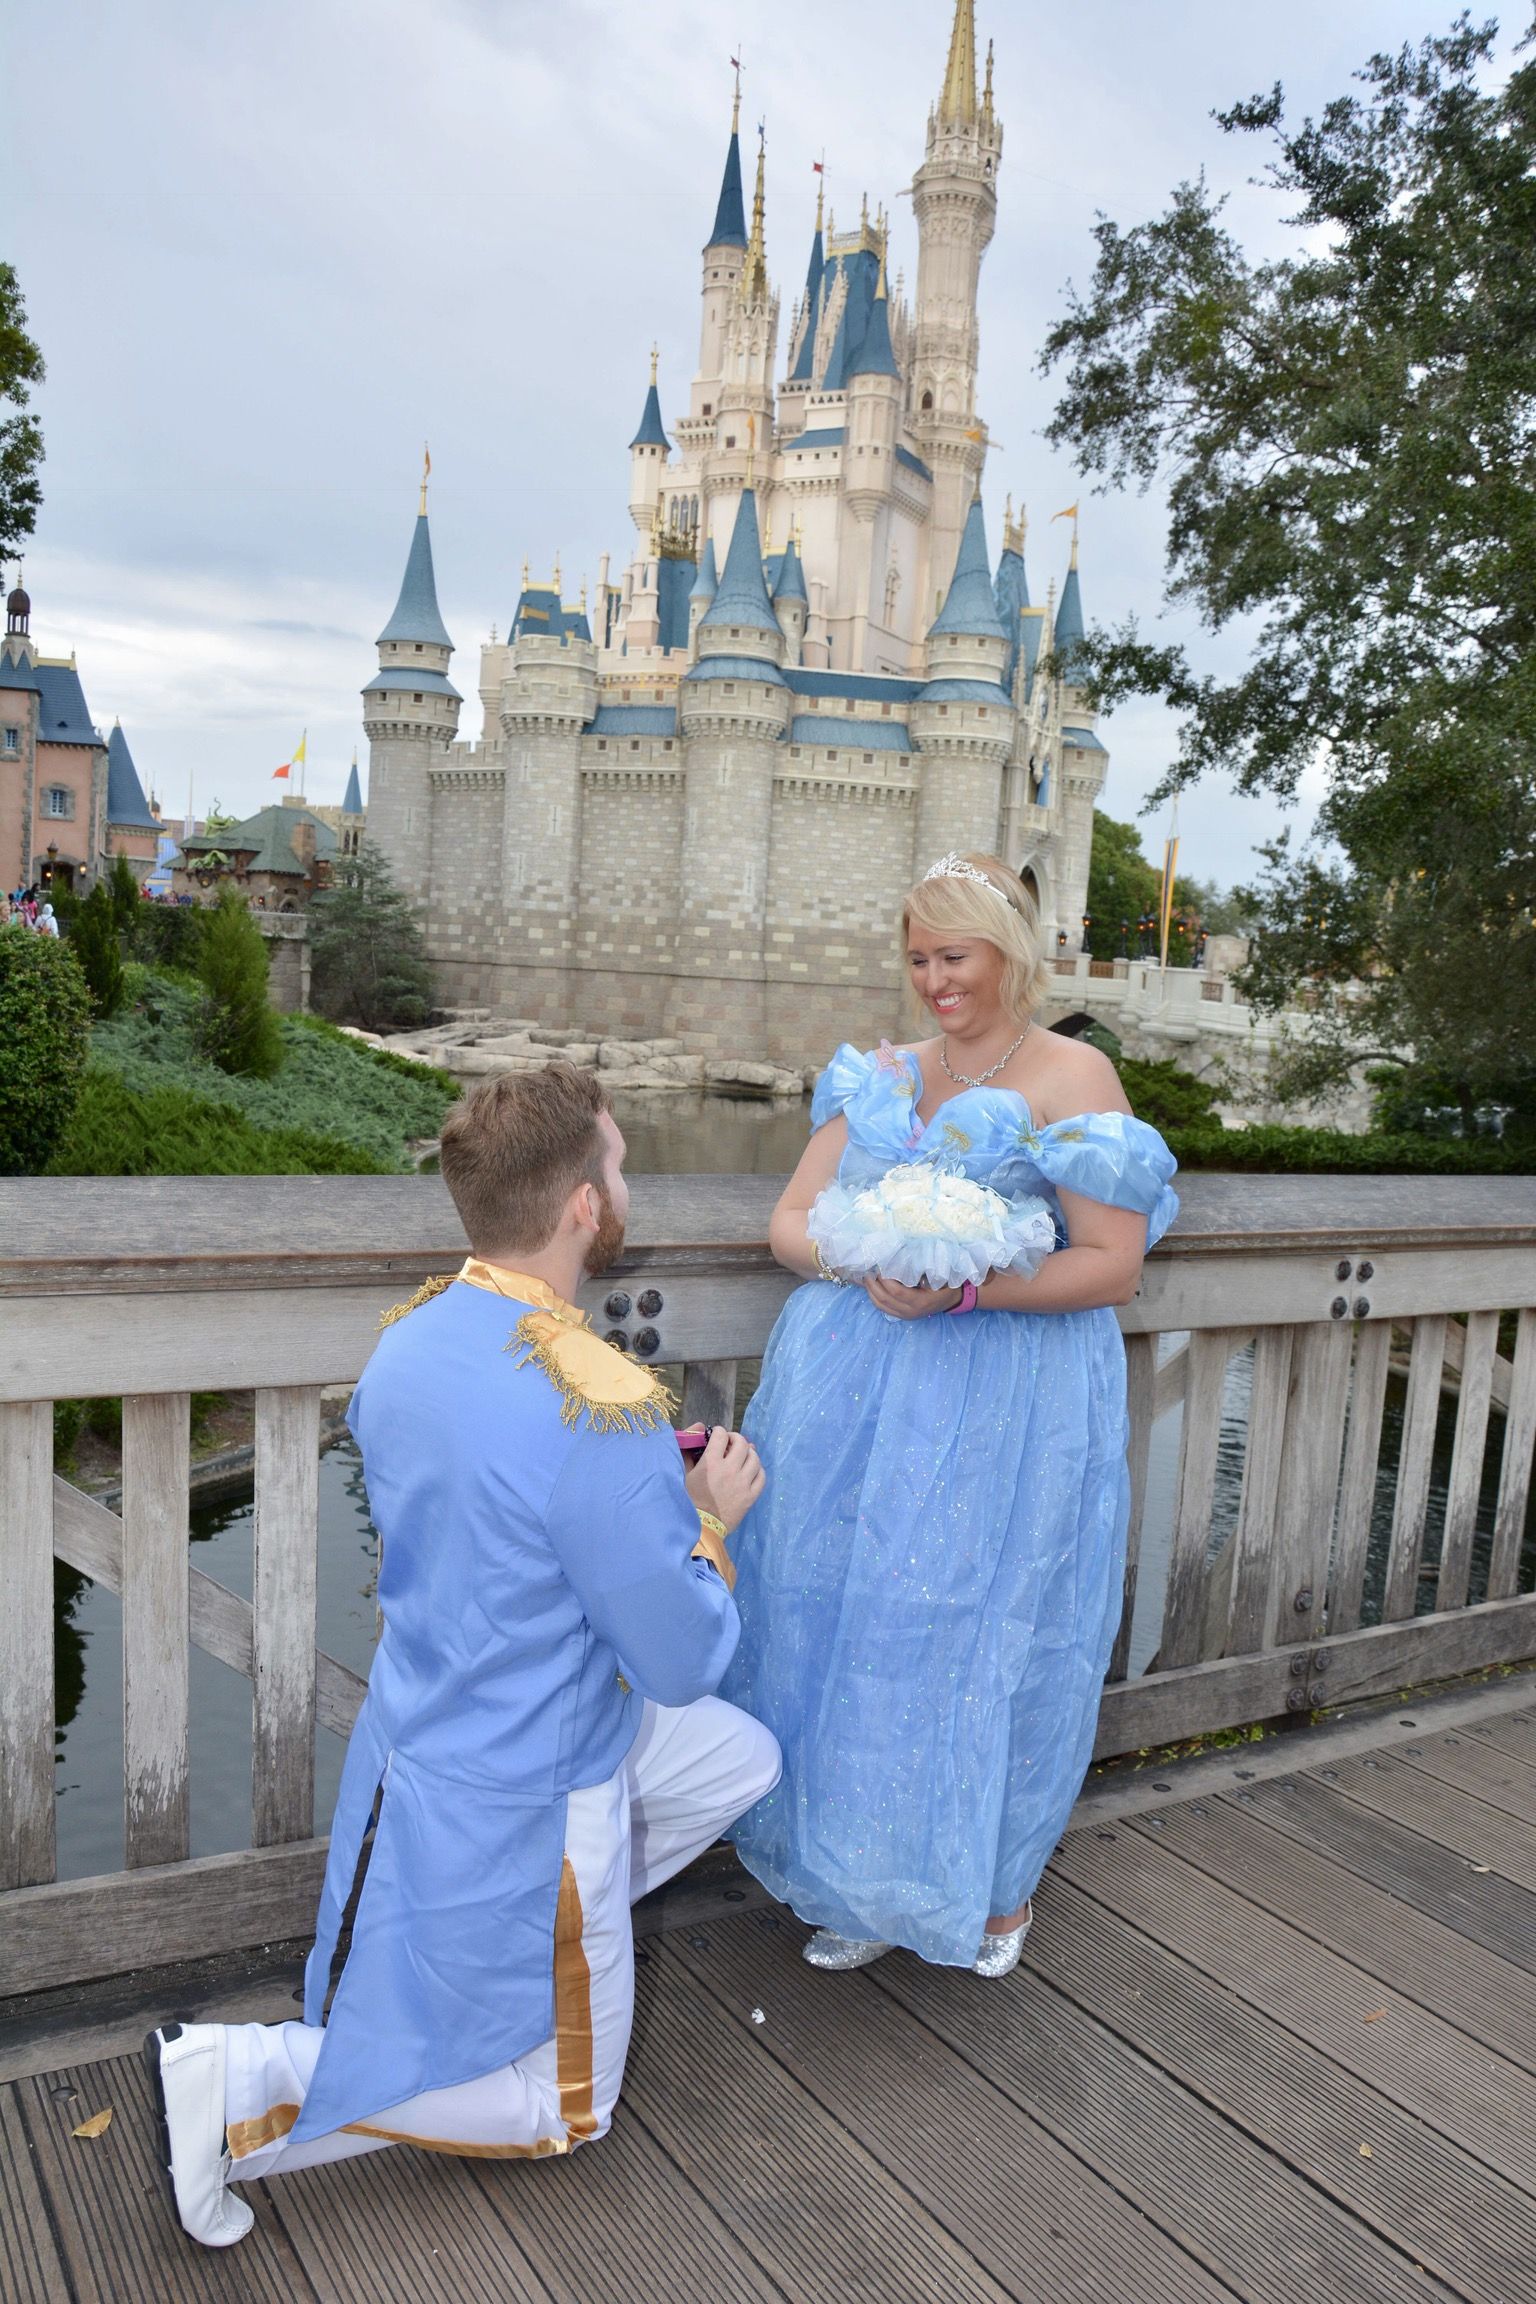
(515, 1150)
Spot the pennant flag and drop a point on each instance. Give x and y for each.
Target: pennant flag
(287, 764)
(299, 751)
(818, 168)
(735, 63)
(1069, 514)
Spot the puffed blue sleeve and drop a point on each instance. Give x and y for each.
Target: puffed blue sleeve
(1110, 1156)
(623, 1529)
(847, 1073)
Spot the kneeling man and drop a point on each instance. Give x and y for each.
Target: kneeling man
(539, 1737)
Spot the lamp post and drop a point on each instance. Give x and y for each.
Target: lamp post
(48, 868)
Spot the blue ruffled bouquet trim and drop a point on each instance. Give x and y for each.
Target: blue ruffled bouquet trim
(923, 1223)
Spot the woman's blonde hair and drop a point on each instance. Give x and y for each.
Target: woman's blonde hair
(1003, 913)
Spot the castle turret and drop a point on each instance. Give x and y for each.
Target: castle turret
(954, 196)
(802, 367)
(648, 453)
(745, 408)
(352, 813)
(733, 712)
(1010, 589)
(132, 828)
(791, 603)
(873, 385)
(724, 253)
(548, 698)
(410, 717)
(705, 585)
(1068, 631)
(964, 719)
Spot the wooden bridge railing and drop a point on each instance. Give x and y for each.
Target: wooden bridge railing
(150, 1289)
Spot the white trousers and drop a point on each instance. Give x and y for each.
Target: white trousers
(690, 1773)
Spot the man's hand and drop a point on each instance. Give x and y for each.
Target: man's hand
(728, 1478)
(900, 1303)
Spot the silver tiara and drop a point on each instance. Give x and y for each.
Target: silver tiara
(954, 867)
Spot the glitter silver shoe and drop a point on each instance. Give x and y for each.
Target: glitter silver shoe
(999, 1955)
(827, 1949)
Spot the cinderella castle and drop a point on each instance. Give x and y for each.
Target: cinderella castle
(696, 802)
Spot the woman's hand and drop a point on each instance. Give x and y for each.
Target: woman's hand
(909, 1303)
(728, 1477)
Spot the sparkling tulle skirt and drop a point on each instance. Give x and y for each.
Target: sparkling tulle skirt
(929, 1592)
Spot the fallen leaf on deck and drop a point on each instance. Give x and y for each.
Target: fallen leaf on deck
(97, 2125)
(1479, 1867)
(1374, 2017)
(758, 2017)
(1366, 2153)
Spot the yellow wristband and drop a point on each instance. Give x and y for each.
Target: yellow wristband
(712, 1522)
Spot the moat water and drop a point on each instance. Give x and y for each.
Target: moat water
(668, 1136)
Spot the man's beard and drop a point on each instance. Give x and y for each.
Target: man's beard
(609, 1240)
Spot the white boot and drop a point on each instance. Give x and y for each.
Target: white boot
(186, 2072)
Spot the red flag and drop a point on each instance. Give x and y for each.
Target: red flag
(817, 169)
(735, 63)
(287, 764)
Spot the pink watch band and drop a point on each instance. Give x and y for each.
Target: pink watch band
(967, 1301)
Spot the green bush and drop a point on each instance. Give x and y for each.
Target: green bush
(44, 1019)
(1167, 1097)
(369, 954)
(123, 888)
(168, 936)
(1328, 1152)
(330, 1085)
(166, 1130)
(237, 1028)
(93, 939)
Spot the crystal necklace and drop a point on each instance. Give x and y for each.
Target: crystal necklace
(964, 1080)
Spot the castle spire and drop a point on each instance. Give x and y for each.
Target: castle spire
(957, 105)
(426, 474)
(652, 432)
(730, 229)
(969, 605)
(416, 615)
(742, 598)
(754, 271)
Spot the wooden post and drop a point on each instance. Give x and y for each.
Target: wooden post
(283, 1614)
(1515, 1472)
(26, 1643)
(709, 1392)
(1421, 1412)
(1184, 1606)
(1140, 1391)
(1357, 1494)
(156, 1627)
(1254, 1566)
(1309, 1481)
(1479, 1353)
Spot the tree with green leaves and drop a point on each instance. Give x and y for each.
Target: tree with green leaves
(368, 956)
(123, 886)
(45, 1015)
(1124, 885)
(21, 437)
(1347, 434)
(93, 938)
(236, 1025)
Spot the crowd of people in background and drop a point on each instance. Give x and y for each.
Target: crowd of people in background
(27, 908)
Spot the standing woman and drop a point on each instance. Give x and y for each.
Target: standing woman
(930, 1590)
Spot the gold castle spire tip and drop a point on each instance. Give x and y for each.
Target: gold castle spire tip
(957, 105)
(426, 474)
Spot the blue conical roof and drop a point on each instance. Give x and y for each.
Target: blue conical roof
(874, 356)
(707, 582)
(968, 605)
(126, 804)
(416, 613)
(1010, 590)
(742, 598)
(1069, 623)
(730, 212)
(814, 274)
(352, 801)
(789, 576)
(652, 433)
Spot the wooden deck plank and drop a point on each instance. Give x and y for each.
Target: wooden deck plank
(1044, 2226)
(803, 2193)
(31, 2268)
(622, 2222)
(1419, 1840)
(1249, 2217)
(1385, 1936)
(1464, 2224)
(1490, 1775)
(1449, 1819)
(116, 2228)
(1171, 1887)
(1514, 1732)
(397, 2227)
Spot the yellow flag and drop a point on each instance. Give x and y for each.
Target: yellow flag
(1069, 514)
(298, 751)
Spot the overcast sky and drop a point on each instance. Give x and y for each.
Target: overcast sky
(267, 250)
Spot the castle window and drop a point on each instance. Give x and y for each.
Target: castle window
(727, 687)
(981, 712)
(13, 739)
(848, 706)
(831, 754)
(730, 439)
(58, 800)
(602, 743)
(416, 699)
(667, 746)
(869, 759)
(943, 711)
(885, 711)
(927, 400)
(418, 647)
(709, 407)
(634, 743)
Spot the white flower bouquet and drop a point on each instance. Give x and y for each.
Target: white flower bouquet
(921, 1223)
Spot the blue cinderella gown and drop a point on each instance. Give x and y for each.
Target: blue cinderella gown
(930, 1587)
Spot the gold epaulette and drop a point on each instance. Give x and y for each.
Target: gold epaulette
(424, 1295)
(613, 1393)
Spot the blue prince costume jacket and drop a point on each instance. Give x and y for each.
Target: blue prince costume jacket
(537, 1582)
